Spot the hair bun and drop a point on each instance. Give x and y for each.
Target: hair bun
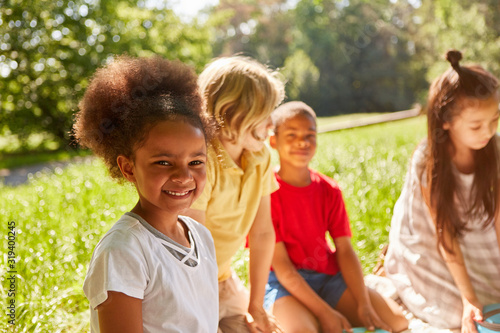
(454, 56)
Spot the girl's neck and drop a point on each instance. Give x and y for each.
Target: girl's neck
(463, 159)
(233, 149)
(295, 176)
(166, 223)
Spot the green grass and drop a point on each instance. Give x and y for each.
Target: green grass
(61, 216)
(14, 160)
(370, 165)
(59, 219)
(322, 121)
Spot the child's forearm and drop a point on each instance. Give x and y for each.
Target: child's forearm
(261, 250)
(351, 270)
(456, 265)
(261, 239)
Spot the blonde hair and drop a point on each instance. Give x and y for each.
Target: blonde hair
(239, 93)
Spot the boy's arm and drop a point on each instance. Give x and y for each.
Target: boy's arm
(120, 314)
(261, 239)
(353, 276)
(329, 319)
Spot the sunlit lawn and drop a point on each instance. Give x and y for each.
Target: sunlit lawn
(61, 216)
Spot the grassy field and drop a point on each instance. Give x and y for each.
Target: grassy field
(60, 217)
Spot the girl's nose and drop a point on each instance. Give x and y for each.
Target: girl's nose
(182, 175)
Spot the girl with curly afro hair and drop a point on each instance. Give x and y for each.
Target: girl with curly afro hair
(154, 270)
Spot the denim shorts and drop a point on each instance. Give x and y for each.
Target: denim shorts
(329, 287)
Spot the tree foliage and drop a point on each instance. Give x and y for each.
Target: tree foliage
(339, 56)
(371, 56)
(51, 48)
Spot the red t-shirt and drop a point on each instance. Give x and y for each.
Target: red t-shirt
(303, 215)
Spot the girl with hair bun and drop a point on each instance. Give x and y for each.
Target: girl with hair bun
(155, 269)
(444, 243)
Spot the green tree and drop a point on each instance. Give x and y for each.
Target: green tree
(471, 27)
(302, 77)
(51, 48)
(357, 51)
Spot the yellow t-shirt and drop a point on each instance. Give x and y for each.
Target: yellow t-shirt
(231, 198)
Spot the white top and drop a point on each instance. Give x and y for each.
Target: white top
(176, 297)
(415, 265)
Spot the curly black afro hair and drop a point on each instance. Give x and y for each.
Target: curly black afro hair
(127, 98)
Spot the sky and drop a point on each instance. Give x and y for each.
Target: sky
(187, 9)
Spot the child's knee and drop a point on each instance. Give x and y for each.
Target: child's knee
(400, 323)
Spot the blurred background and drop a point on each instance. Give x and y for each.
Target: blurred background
(339, 56)
(353, 58)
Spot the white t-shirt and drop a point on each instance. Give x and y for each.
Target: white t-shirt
(175, 296)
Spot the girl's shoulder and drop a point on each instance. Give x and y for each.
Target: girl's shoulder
(126, 231)
(419, 156)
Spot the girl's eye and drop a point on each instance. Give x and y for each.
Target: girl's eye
(475, 128)
(196, 163)
(163, 163)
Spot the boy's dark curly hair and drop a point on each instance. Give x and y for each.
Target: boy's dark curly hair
(289, 110)
(126, 98)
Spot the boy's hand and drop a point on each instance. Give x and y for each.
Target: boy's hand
(370, 318)
(332, 321)
(259, 322)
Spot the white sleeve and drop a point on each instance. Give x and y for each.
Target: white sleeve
(118, 264)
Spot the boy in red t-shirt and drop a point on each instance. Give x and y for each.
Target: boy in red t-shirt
(313, 287)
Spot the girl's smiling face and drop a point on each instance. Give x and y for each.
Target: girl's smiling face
(475, 125)
(168, 168)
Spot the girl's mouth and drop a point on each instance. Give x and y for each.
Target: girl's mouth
(178, 194)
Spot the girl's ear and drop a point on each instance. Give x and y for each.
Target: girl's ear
(272, 140)
(126, 167)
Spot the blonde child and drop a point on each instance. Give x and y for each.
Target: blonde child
(443, 253)
(154, 270)
(314, 288)
(239, 95)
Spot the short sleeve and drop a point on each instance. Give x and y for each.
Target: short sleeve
(276, 216)
(338, 218)
(118, 264)
(269, 182)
